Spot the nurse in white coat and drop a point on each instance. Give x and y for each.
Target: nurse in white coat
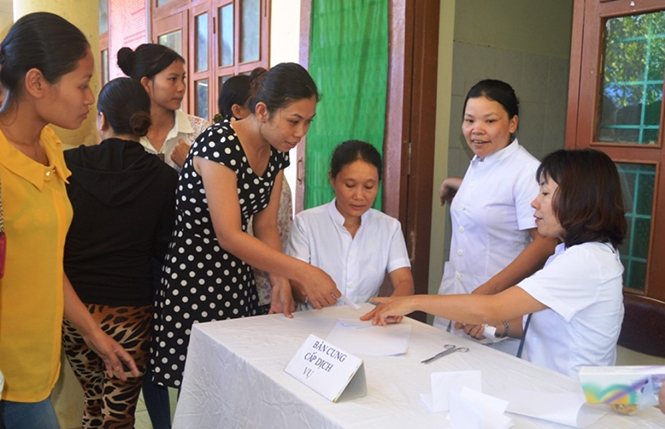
(495, 243)
(576, 299)
(353, 243)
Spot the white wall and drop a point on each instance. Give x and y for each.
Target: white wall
(6, 17)
(285, 47)
(522, 42)
(443, 125)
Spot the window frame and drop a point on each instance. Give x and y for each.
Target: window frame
(583, 107)
(186, 12)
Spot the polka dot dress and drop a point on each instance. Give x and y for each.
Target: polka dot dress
(201, 281)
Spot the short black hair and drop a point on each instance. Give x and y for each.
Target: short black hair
(588, 202)
(147, 60)
(495, 90)
(352, 150)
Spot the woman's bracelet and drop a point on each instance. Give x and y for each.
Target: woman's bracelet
(506, 330)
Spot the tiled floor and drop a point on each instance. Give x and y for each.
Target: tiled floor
(142, 417)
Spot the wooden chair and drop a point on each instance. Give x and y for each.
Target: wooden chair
(643, 328)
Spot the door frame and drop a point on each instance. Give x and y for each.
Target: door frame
(409, 142)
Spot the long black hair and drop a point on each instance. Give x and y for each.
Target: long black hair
(147, 60)
(126, 106)
(43, 41)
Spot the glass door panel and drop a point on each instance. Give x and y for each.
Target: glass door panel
(632, 79)
(638, 183)
(201, 98)
(172, 40)
(226, 39)
(250, 30)
(201, 53)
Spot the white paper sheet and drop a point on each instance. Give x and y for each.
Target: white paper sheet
(362, 338)
(464, 414)
(564, 408)
(452, 381)
(472, 409)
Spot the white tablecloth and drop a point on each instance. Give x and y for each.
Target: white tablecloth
(234, 378)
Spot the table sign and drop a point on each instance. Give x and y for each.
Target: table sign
(328, 370)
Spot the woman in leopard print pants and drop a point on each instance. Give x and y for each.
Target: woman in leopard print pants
(123, 199)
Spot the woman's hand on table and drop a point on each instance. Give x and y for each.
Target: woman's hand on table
(391, 308)
(281, 300)
(389, 320)
(475, 331)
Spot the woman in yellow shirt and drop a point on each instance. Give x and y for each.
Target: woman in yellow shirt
(45, 68)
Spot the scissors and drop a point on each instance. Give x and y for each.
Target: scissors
(449, 348)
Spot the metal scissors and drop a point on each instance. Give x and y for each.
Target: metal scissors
(449, 348)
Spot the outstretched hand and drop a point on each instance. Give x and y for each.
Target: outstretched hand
(390, 309)
(371, 314)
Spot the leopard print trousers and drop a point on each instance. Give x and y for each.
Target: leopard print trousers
(110, 402)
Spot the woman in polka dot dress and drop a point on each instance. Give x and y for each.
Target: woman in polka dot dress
(234, 171)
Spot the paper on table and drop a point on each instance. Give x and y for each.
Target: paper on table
(356, 323)
(373, 340)
(464, 415)
(565, 408)
(445, 382)
(471, 409)
(348, 302)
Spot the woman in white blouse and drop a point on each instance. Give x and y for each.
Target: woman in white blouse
(576, 299)
(353, 243)
(495, 243)
(162, 72)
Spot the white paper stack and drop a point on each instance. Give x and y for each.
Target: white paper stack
(459, 392)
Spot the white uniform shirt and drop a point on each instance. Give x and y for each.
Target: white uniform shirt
(491, 215)
(186, 127)
(357, 265)
(582, 286)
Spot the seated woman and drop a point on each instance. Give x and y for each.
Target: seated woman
(346, 238)
(576, 299)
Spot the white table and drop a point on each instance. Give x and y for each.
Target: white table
(234, 378)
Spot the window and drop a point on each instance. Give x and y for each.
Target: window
(218, 38)
(616, 106)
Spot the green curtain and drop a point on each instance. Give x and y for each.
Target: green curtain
(348, 59)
